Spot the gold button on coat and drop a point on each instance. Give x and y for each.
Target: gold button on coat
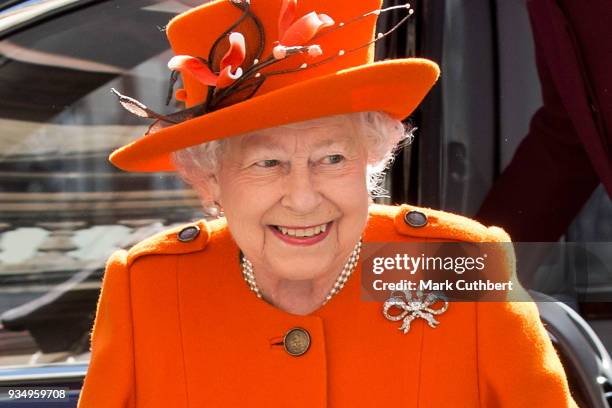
(189, 233)
(415, 219)
(296, 341)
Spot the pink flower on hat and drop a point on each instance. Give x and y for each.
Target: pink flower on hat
(230, 64)
(298, 32)
(232, 60)
(195, 67)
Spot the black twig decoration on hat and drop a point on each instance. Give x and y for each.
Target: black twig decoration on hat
(227, 83)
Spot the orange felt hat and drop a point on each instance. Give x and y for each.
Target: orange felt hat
(293, 60)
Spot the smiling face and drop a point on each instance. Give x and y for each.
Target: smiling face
(295, 198)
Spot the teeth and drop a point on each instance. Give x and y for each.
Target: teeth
(303, 232)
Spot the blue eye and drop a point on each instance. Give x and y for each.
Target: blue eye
(267, 163)
(333, 159)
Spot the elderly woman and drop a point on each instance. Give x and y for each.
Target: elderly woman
(287, 127)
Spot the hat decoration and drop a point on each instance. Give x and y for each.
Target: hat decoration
(235, 68)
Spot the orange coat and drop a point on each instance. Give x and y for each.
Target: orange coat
(177, 326)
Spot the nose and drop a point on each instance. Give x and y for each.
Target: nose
(301, 193)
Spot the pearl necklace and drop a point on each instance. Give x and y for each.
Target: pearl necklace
(349, 267)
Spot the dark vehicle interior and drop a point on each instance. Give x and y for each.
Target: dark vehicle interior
(64, 208)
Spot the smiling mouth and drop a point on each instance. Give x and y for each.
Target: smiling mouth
(307, 232)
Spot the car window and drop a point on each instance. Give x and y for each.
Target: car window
(63, 207)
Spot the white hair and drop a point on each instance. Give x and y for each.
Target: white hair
(383, 136)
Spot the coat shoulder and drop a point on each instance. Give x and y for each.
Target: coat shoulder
(183, 239)
(386, 222)
(407, 221)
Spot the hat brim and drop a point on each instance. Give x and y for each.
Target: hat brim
(394, 86)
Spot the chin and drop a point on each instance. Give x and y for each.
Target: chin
(301, 270)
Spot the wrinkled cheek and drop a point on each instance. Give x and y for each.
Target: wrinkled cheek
(353, 225)
(267, 239)
(245, 231)
(359, 216)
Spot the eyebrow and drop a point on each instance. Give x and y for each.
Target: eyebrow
(331, 142)
(252, 141)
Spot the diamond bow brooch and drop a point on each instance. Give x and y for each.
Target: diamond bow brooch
(412, 307)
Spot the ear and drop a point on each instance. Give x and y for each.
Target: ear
(215, 189)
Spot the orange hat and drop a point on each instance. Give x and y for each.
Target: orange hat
(255, 64)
